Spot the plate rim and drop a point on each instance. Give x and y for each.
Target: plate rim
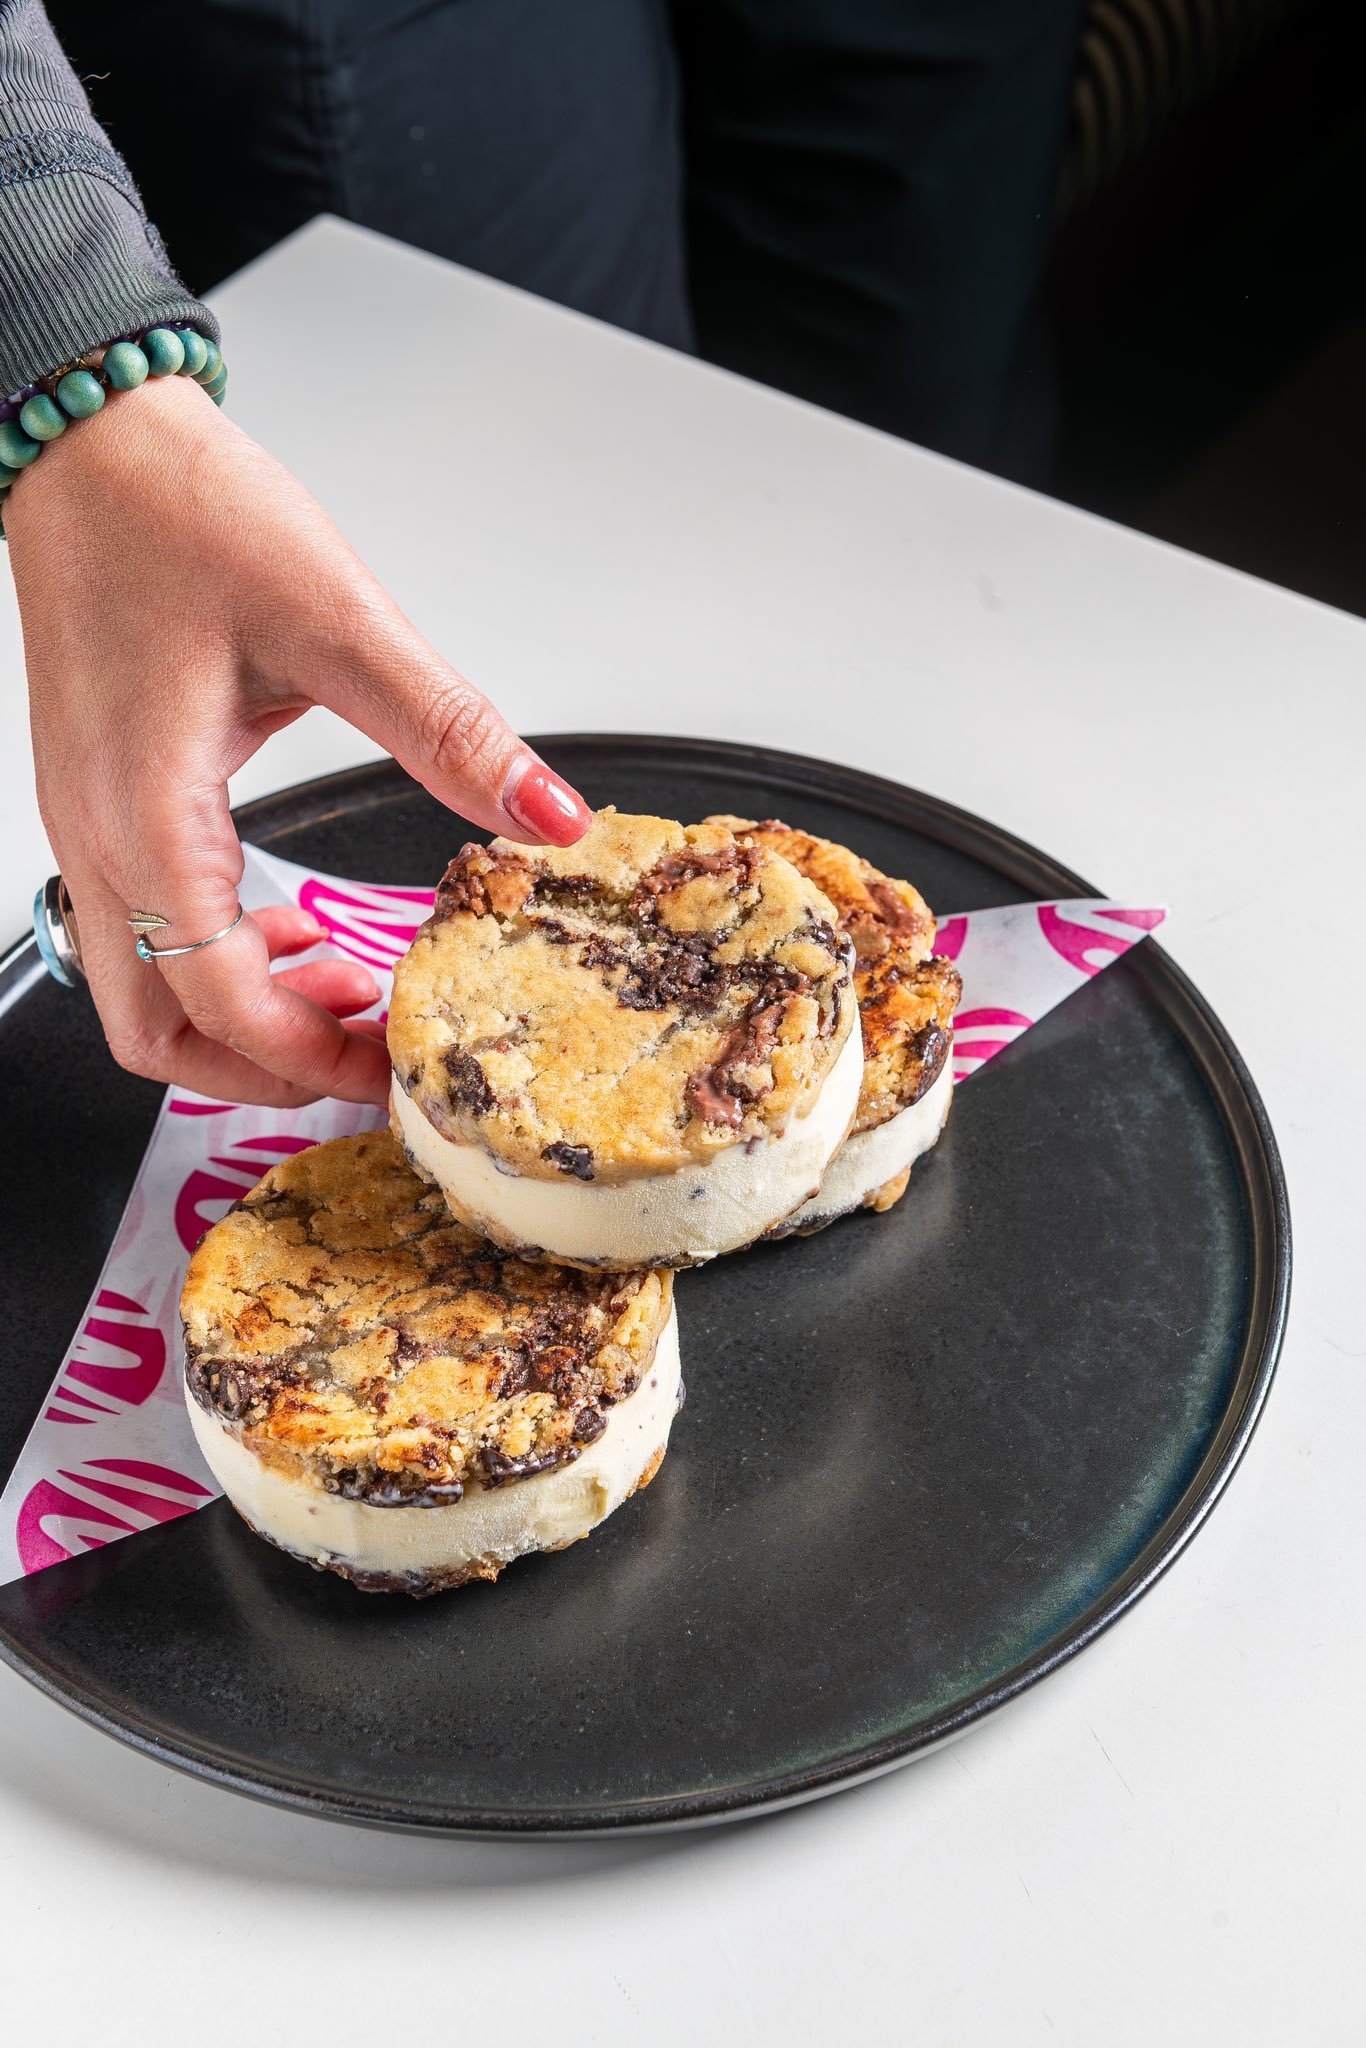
(1258, 1167)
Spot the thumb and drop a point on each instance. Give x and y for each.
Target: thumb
(448, 736)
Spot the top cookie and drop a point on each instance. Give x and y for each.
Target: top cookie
(351, 1332)
(632, 1004)
(906, 994)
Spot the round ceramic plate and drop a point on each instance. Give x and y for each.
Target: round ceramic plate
(924, 1458)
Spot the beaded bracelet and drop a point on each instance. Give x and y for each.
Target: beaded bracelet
(77, 390)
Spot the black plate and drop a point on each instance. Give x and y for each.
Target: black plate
(925, 1457)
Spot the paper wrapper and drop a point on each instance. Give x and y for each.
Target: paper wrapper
(112, 1452)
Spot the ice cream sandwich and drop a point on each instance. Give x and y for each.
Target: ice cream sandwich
(638, 1050)
(385, 1395)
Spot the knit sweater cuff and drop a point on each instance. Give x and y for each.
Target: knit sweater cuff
(80, 265)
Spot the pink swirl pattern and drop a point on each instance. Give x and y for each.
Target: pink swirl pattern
(950, 937)
(85, 1508)
(978, 1035)
(122, 1362)
(373, 925)
(1079, 943)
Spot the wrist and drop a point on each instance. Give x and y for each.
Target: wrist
(113, 455)
(126, 387)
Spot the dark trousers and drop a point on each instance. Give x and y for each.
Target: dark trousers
(862, 219)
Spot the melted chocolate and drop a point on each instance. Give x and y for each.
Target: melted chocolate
(392, 1490)
(717, 1093)
(498, 1468)
(676, 870)
(895, 914)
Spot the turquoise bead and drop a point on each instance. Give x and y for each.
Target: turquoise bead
(213, 363)
(125, 366)
(217, 384)
(7, 477)
(41, 418)
(196, 352)
(219, 396)
(80, 394)
(164, 350)
(17, 449)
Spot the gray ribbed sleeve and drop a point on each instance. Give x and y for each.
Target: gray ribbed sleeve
(80, 263)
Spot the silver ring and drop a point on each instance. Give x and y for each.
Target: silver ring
(144, 921)
(54, 928)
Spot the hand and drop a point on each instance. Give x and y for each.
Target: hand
(182, 598)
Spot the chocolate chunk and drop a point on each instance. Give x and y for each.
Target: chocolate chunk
(480, 881)
(676, 870)
(603, 952)
(709, 1099)
(574, 886)
(497, 1467)
(683, 972)
(469, 1086)
(717, 1093)
(588, 1426)
(392, 1489)
(575, 1159)
(931, 1047)
(896, 914)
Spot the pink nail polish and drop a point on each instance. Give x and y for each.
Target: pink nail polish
(544, 805)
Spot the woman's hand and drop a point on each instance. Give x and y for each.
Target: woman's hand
(182, 598)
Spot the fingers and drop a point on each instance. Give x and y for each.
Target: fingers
(230, 997)
(383, 677)
(215, 1020)
(287, 929)
(147, 1029)
(341, 987)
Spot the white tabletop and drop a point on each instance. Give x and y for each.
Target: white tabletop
(1161, 1842)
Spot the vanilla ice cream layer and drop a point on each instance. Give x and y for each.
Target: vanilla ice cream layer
(869, 1159)
(489, 1525)
(661, 1219)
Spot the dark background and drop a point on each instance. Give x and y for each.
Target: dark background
(1206, 294)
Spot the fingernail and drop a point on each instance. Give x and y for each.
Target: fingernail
(543, 804)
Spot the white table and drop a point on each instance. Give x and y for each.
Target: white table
(1162, 1842)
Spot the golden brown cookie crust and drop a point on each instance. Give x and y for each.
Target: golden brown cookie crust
(351, 1332)
(906, 994)
(632, 1004)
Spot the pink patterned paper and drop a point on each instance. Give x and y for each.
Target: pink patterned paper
(111, 1452)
